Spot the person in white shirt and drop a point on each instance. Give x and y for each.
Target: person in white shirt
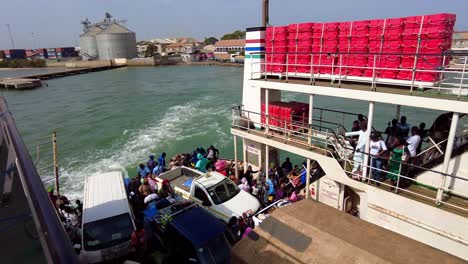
(358, 157)
(413, 141)
(377, 150)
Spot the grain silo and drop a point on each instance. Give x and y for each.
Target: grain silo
(116, 41)
(88, 44)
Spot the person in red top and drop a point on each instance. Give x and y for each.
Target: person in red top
(138, 241)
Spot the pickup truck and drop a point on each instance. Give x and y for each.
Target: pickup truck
(189, 234)
(212, 190)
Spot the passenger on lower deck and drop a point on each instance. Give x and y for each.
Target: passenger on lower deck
(413, 142)
(166, 190)
(358, 157)
(403, 128)
(142, 170)
(201, 163)
(377, 151)
(391, 132)
(397, 157)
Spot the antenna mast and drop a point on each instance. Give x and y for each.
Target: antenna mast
(11, 36)
(265, 13)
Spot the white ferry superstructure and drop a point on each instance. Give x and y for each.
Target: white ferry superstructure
(433, 209)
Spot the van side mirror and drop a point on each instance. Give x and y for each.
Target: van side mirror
(206, 203)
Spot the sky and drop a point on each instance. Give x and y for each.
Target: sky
(54, 23)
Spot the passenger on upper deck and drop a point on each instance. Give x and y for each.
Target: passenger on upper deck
(403, 128)
(391, 131)
(358, 157)
(142, 170)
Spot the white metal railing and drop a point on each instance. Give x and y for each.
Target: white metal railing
(449, 79)
(397, 188)
(336, 146)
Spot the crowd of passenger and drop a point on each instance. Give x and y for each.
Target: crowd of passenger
(389, 156)
(70, 215)
(283, 182)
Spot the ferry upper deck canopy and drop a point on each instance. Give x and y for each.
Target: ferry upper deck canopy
(310, 232)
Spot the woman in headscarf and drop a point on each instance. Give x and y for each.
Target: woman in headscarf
(244, 185)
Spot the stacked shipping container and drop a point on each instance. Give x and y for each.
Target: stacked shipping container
(394, 45)
(276, 45)
(290, 115)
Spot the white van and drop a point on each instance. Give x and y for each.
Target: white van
(107, 218)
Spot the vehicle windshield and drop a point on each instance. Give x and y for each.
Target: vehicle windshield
(107, 232)
(223, 191)
(216, 251)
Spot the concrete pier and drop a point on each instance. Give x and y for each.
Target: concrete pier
(20, 83)
(59, 74)
(34, 81)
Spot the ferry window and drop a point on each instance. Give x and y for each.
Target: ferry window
(252, 158)
(106, 233)
(200, 194)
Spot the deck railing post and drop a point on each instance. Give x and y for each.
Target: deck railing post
(332, 70)
(340, 67)
(373, 74)
(267, 111)
(235, 157)
(248, 121)
(287, 67)
(398, 178)
(308, 179)
(416, 55)
(311, 69)
(462, 77)
(447, 156)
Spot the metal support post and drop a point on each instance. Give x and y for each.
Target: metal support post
(447, 156)
(397, 112)
(370, 117)
(235, 158)
(311, 107)
(308, 179)
(244, 155)
(267, 111)
(56, 172)
(287, 67)
(267, 161)
(462, 77)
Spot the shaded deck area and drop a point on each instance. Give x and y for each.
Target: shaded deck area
(412, 190)
(310, 232)
(434, 92)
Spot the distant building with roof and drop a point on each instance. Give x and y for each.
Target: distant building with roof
(460, 40)
(230, 46)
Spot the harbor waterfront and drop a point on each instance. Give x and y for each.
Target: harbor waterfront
(112, 120)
